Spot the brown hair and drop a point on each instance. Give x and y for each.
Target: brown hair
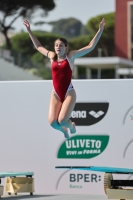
(65, 43)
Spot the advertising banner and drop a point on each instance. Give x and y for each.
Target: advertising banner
(104, 122)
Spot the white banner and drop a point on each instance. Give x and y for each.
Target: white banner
(104, 117)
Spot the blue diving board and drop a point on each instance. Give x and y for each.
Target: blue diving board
(114, 170)
(14, 174)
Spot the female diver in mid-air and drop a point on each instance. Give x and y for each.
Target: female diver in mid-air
(63, 96)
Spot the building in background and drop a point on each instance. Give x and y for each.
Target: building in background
(124, 29)
(120, 66)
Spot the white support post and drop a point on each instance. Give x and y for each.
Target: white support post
(116, 71)
(88, 73)
(75, 72)
(99, 73)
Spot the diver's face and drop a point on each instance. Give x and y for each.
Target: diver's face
(60, 48)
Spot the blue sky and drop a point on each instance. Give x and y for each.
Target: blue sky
(80, 9)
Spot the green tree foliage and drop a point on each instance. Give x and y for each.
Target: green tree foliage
(30, 57)
(22, 43)
(69, 27)
(80, 42)
(15, 9)
(106, 42)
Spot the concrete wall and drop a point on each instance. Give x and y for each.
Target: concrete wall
(10, 72)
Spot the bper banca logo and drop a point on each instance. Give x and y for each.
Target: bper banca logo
(76, 180)
(89, 113)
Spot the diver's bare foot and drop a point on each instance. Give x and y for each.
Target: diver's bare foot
(66, 135)
(73, 129)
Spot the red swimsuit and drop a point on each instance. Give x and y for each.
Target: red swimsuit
(61, 75)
